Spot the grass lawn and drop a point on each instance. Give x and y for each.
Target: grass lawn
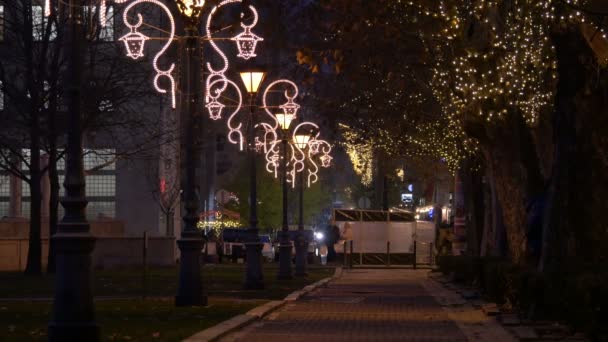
(124, 320)
(152, 319)
(220, 280)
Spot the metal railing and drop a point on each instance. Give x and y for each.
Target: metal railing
(422, 255)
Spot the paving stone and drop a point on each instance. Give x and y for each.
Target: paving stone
(525, 333)
(510, 319)
(362, 305)
(490, 309)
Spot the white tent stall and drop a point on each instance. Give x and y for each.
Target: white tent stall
(377, 237)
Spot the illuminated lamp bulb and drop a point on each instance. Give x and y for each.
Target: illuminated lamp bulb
(215, 109)
(134, 43)
(285, 120)
(301, 140)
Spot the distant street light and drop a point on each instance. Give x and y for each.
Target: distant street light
(298, 151)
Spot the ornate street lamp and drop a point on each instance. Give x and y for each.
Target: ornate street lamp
(301, 140)
(254, 277)
(306, 151)
(262, 136)
(72, 318)
(308, 145)
(190, 290)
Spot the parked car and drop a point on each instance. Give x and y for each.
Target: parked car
(309, 234)
(234, 243)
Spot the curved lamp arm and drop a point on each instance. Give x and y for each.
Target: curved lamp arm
(134, 42)
(290, 105)
(219, 74)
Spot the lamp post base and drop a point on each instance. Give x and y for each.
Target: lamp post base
(73, 311)
(254, 277)
(301, 255)
(284, 261)
(190, 291)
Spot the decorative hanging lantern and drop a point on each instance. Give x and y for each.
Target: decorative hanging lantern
(134, 42)
(259, 145)
(290, 108)
(326, 160)
(246, 42)
(314, 147)
(215, 109)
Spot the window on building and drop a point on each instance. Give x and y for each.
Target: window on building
(39, 23)
(1, 23)
(1, 95)
(94, 29)
(100, 186)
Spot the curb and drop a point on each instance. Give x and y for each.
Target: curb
(222, 329)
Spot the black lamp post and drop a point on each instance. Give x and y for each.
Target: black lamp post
(190, 291)
(73, 310)
(284, 121)
(301, 242)
(254, 277)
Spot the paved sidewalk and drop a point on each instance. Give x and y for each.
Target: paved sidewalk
(363, 305)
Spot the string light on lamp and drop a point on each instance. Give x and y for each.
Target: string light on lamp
(216, 74)
(326, 160)
(252, 80)
(290, 108)
(215, 109)
(247, 41)
(134, 43)
(166, 73)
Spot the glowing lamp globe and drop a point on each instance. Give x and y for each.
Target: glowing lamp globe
(134, 43)
(252, 80)
(246, 42)
(290, 108)
(285, 120)
(301, 140)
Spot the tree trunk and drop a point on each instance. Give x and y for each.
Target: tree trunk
(576, 192)
(16, 189)
(34, 253)
(53, 207)
(169, 224)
